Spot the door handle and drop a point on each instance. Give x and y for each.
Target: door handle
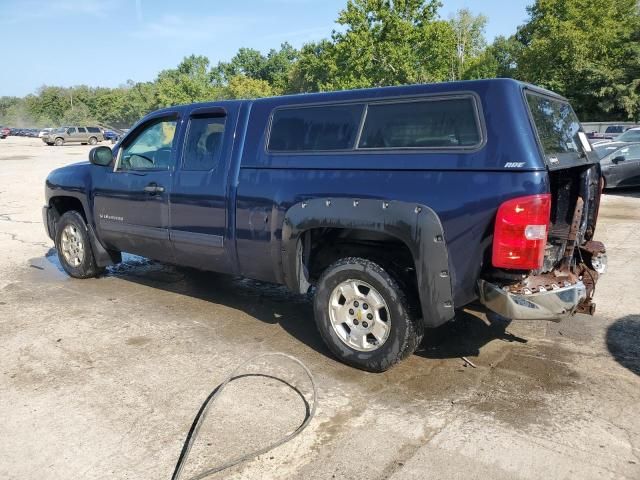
(154, 188)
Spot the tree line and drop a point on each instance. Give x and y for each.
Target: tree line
(587, 51)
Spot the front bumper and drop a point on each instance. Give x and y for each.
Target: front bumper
(554, 304)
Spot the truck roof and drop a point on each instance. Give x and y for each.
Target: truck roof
(384, 92)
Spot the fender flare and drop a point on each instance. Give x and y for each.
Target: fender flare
(418, 226)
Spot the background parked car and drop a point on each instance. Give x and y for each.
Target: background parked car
(631, 135)
(610, 132)
(109, 135)
(4, 132)
(620, 162)
(44, 132)
(74, 134)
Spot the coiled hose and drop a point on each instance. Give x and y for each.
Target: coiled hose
(202, 414)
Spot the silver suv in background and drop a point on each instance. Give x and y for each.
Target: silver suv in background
(83, 135)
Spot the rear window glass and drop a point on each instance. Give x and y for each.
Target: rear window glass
(93, 129)
(82, 130)
(318, 128)
(442, 123)
(556, 123)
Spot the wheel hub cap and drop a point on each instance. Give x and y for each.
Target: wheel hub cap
(359, 315)
(72, 245)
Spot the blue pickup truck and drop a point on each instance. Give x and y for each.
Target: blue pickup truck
(395, 206)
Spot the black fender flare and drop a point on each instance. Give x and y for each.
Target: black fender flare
(418, 226)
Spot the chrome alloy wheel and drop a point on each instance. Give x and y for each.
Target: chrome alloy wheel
(359, 315)
(72, 245)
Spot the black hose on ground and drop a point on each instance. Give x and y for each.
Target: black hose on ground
(202, 413)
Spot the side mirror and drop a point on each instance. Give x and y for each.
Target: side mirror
(101, 156)
(618, 159)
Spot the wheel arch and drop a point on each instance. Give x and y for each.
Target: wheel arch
(61, 204)
(416, 226)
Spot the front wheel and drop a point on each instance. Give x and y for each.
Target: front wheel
(364, 316)
(59, 142)
(74, 247)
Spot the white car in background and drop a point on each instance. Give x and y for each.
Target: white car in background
(44, 132)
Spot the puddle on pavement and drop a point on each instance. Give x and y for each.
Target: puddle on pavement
(513, 382)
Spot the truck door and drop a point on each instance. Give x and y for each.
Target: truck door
(82, 135)
(198, 206)
(72, 135)
(131, 203)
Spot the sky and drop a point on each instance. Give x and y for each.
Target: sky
(107, 42)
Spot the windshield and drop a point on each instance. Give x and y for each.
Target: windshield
(629, 136)
(557, 126)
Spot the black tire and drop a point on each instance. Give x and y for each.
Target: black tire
(405, 332)
(59, 142)
(87, 268)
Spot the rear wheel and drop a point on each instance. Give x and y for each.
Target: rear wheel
(74, 247)
(93, 141)
(363, 315)
(59, 142)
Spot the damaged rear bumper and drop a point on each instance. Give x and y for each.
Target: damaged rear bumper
(554, 304)
(549, 296)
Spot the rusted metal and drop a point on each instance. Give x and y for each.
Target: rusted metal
(587, 307)
(573, 233)
(593, 247)
(558, 278)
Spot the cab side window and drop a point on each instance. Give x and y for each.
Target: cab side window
(82, 130)
(151, 148)
(203, 147)
(71, 131)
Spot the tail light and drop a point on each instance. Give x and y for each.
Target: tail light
(520, 234)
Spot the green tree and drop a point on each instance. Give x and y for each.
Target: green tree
(314, 68)
(470, 42)
(588, 51)
(273, 68)
(79, 114)
(189, 82)
(386, 42)
(242, 87)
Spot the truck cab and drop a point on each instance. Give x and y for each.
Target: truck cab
(395, 206)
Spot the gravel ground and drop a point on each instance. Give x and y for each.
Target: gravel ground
(101, 378)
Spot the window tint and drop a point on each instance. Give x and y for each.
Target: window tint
(421, 124)
(556, 123)
(82, 130)
(71, 131)
(93, 129)
(151, 148)
(203, 147)
(315, 128)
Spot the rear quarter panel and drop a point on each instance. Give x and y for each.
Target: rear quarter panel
(463, 188)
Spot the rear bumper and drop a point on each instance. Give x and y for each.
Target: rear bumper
(554, 304)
